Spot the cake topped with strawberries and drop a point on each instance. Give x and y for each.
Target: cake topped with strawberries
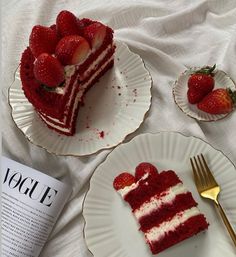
(61, 63)
(164, 208)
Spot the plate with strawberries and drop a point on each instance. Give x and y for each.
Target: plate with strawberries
(205, 93)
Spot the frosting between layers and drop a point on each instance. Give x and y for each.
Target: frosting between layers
(71, 69)
(155, 233)
(155, 201)
(124, 191)
(77, 100)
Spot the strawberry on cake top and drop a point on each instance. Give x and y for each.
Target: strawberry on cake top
(61, 63)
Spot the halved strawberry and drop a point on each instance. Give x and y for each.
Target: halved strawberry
(123, 180)
(48, 70)
(72, 50)
(66, 24)
(95, 34)
(82, 23)
(42, 40)
(145, 168)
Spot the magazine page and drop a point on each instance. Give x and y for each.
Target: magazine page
(31, 204)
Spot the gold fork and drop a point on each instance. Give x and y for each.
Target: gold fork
(208, 188)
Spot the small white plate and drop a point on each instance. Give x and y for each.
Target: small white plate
(180, 88)
(110, 227)
(114, 108)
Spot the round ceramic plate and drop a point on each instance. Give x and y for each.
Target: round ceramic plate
(114, 108)
(111, 229)
(222, 80)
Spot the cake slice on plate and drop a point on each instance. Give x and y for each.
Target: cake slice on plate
(61, 63)
(164, 208)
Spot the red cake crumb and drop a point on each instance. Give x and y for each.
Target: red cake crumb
(101, 134)
(164, 208)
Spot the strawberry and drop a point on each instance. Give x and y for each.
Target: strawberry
(145, 168)
(123, 180)
(194, 96)
(82, 23)
(95, 34)
(200, 83)
(219, 101)
(72, 49)
(42, 40)
(48, 70)
(66, 23)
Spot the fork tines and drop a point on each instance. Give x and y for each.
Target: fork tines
(202, 174)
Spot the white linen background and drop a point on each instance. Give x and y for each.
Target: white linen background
(169, 36)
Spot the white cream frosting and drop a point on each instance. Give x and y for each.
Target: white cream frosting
(155, 202)
(124, 191)
(71, 69)
(155, 233)
(77, 100)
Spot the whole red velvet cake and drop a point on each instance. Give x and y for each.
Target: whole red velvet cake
(164, 208)
(61, 63)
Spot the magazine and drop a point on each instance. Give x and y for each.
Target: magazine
(31, 204)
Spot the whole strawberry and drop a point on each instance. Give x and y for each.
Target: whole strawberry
(66, 23)
(219, 101)
(200, 83)
(48, 70)
(42, 40)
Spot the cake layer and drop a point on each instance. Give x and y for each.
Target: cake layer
(157, 201)
(78, 88)
(157, 232)
(150, 187)
(187, 228)
(167, 211)
(70, 130)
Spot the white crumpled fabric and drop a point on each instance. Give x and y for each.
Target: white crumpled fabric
(169, 35)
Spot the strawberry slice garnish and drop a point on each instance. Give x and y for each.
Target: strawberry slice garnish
(66, 24)
(72, 49)
(123, 180)
(48, 70)
(200, 83)
(95, 34)
(42, 40)
(145, 168)
(219, 101)
(82, 23)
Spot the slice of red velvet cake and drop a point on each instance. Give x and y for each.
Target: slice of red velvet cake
(164, 208)
(61, 63)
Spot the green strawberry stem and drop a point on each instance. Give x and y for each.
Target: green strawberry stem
(232, 95)
(206, 70)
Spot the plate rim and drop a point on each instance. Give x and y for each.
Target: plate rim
(214, 118)
(105, 147)
(130, 141)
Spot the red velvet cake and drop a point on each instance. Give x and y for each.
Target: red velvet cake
(61, 63)
(164, 208)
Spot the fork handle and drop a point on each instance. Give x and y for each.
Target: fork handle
(226, 221)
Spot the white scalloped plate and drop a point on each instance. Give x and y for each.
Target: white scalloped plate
(110, 228)
(114, 108)
(180, 88)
